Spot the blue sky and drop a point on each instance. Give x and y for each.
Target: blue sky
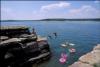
(33, 10)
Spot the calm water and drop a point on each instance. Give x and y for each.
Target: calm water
(85, 34)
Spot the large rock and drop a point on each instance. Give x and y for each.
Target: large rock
(80, 64)
(93, 57)
(97, 47)
(90, 59)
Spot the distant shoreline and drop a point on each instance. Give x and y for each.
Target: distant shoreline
(98, 19)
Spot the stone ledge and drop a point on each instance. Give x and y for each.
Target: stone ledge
(91, 59)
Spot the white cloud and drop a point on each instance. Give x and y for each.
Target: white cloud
(97, 1)
(85, 11)
(85, 8)
(56, 5)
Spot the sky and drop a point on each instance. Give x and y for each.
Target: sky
(34, 10)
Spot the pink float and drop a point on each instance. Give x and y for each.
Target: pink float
(72, 50)
(63, 58)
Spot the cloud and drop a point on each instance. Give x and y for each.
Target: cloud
(85, 11)
(55, 6)
(97, 1)
(84, 8)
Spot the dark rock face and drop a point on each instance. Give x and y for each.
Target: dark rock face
(20, 48)
(13, 31)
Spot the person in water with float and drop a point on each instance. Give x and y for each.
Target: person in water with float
(67, 45)
(72, 50)
(63, 58)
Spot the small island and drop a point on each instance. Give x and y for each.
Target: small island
(64, 19)
(56, 19)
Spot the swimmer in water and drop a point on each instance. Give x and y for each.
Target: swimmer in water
(49, 36)
(55, 34)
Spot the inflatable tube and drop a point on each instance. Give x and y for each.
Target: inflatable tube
(72, 50)
(62, 60)
(63, 55)
(71, 44)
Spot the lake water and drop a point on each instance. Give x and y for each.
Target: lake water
(84, 34)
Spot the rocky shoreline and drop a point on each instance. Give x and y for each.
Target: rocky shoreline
(91, 59)
(19, 47)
